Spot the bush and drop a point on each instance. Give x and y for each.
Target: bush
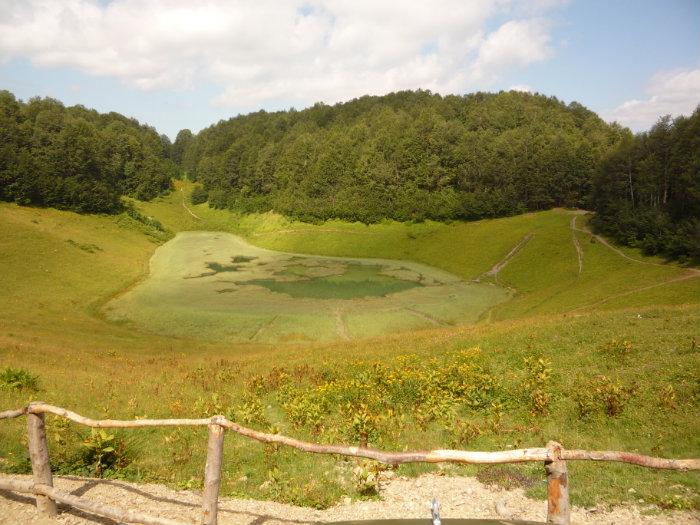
(602, 395)
(199, 195)
(18, 379)
(99, 454)
(536, 385)
(617, 348)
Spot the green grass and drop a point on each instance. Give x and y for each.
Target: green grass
(51, 329)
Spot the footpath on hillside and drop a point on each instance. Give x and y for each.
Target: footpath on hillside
(459, 497)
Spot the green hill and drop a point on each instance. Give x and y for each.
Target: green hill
(406, 156)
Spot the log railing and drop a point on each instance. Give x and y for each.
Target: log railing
(554, 457)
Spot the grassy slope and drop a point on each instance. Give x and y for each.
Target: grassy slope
(544, 273)
(53, 288)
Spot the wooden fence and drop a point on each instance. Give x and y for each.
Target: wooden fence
(554, 457)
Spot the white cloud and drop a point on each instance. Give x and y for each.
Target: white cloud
(261, 51)
(521, 87)
(516, 43)
(669, 93)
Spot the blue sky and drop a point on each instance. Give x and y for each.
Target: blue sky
(176, 64)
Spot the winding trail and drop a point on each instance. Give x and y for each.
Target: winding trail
(187, 208)
(340, 325)
(692, 273)
(605, 243)
(577, 245)
(493, 272)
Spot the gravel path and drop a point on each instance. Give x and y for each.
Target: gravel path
(460, 497)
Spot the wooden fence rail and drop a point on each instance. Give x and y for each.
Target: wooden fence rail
(554, 457)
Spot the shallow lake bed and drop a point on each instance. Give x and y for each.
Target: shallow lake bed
(214, 285)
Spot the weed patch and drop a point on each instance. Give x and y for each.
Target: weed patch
(86, 247)
(18, 379)
(506, 477)
(602, 395)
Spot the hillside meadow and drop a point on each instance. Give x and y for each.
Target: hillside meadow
(598, 348)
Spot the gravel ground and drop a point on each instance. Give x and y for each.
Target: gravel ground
(460, 497)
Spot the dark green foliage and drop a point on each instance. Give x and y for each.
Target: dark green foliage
(199, 195)
(647, 192)
(407, 156)
(182, 141)
(78, 159)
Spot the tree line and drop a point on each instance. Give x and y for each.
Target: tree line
(415, 155)
(77, 159)
(647, 190)
(410, 155)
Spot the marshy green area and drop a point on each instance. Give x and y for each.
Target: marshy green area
(597, 352)
(216, 286)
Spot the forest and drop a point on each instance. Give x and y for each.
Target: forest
(415, 155)
(647, 190)
(78, 159)
(408, 156)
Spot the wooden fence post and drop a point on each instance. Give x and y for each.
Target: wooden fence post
(39, 455)
(212, 474)
(557, 486)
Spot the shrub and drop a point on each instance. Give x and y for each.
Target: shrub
(538, 371)
(250, 411)
(199, 195)
(100, 454)
(18, 379)
(617, 348)
(668, 398)
(305, 410)
(462, 432)
(367, 476)
(602, 395)
(364, 425)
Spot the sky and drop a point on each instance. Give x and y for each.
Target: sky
(176, 64)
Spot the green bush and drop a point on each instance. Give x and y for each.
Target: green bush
(97, 454)
(602, 395)
(199, 195)
(18, 379)
(538, 371)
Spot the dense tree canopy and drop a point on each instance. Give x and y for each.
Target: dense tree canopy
(647, 192)
(78, 159)
(407, 155)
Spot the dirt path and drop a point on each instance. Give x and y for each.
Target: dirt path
(605, 243)
(460, 497)
(262, 327)
(430, 318)
(187, 208)
(577, 245)
(692, 273)
(493, 272)
(340, 326)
